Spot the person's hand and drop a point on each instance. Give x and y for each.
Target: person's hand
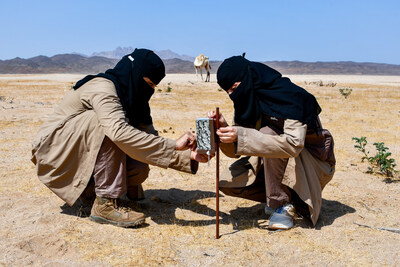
(194, 155)
(186, 141)
(213, 115)
(227, 134)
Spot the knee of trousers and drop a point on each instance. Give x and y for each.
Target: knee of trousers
(138, 175)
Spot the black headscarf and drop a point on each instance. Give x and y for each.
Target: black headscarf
(263, 90)
(133, 91)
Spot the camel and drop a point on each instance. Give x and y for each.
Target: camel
(202, 62)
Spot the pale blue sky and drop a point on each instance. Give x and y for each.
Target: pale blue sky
(352, 30)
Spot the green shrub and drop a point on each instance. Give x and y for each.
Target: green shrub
(345, 92)
(169, 88)
(380, 163)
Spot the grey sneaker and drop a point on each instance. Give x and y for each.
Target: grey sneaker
(282, 218)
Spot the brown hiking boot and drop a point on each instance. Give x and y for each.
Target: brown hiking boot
(107, 210)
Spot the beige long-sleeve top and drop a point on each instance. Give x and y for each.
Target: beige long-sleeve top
(251, 142)
(305, 174)
(65, 149)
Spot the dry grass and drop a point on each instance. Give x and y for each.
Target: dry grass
(38, 229)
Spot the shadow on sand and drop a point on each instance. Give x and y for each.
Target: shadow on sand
(161, 204)
(331, 210)
(78, 209)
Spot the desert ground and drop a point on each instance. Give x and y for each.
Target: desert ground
(39, 229)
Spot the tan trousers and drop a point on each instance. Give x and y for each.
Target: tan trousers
(267, 186)
(116, 174)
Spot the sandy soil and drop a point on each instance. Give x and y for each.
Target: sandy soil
(38, 229)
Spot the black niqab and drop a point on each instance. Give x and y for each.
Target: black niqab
(263, 90)
(133, 91)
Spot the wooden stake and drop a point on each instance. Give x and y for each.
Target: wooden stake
(217, 179)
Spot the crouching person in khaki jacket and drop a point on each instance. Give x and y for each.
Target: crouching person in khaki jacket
(288, 156)
(103, 130)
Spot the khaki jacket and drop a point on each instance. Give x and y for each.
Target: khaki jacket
(305, 174)
(66, 147)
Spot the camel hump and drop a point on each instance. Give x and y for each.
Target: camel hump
(199, 61)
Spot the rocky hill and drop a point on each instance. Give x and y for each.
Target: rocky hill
(119, 52)
(73, 63)
(340, 67)
(64, 63)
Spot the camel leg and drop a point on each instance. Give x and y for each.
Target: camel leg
(201, 74)
(197, 75)
(208, 67)
(208, 73)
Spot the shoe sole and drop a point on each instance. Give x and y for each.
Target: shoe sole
(278, 226)
(102, 220)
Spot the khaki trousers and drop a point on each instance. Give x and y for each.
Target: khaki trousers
(267, 186)
(116, 174)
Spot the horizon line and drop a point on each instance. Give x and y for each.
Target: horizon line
(216, 60)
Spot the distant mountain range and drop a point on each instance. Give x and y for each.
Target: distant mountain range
(119, 52)
(175, 63)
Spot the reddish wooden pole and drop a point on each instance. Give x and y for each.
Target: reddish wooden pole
(217, 174)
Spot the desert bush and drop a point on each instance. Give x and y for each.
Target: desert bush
(330, 84)
(9, 100)
(169, 88)
(345, 92)
(380, 163)
(321, 83)
(317, 83)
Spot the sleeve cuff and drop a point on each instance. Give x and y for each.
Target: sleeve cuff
(241, 140)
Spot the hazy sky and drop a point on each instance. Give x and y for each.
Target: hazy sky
(315, 30)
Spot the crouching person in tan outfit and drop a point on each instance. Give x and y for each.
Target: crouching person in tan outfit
(288, 156)
(102, 131)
